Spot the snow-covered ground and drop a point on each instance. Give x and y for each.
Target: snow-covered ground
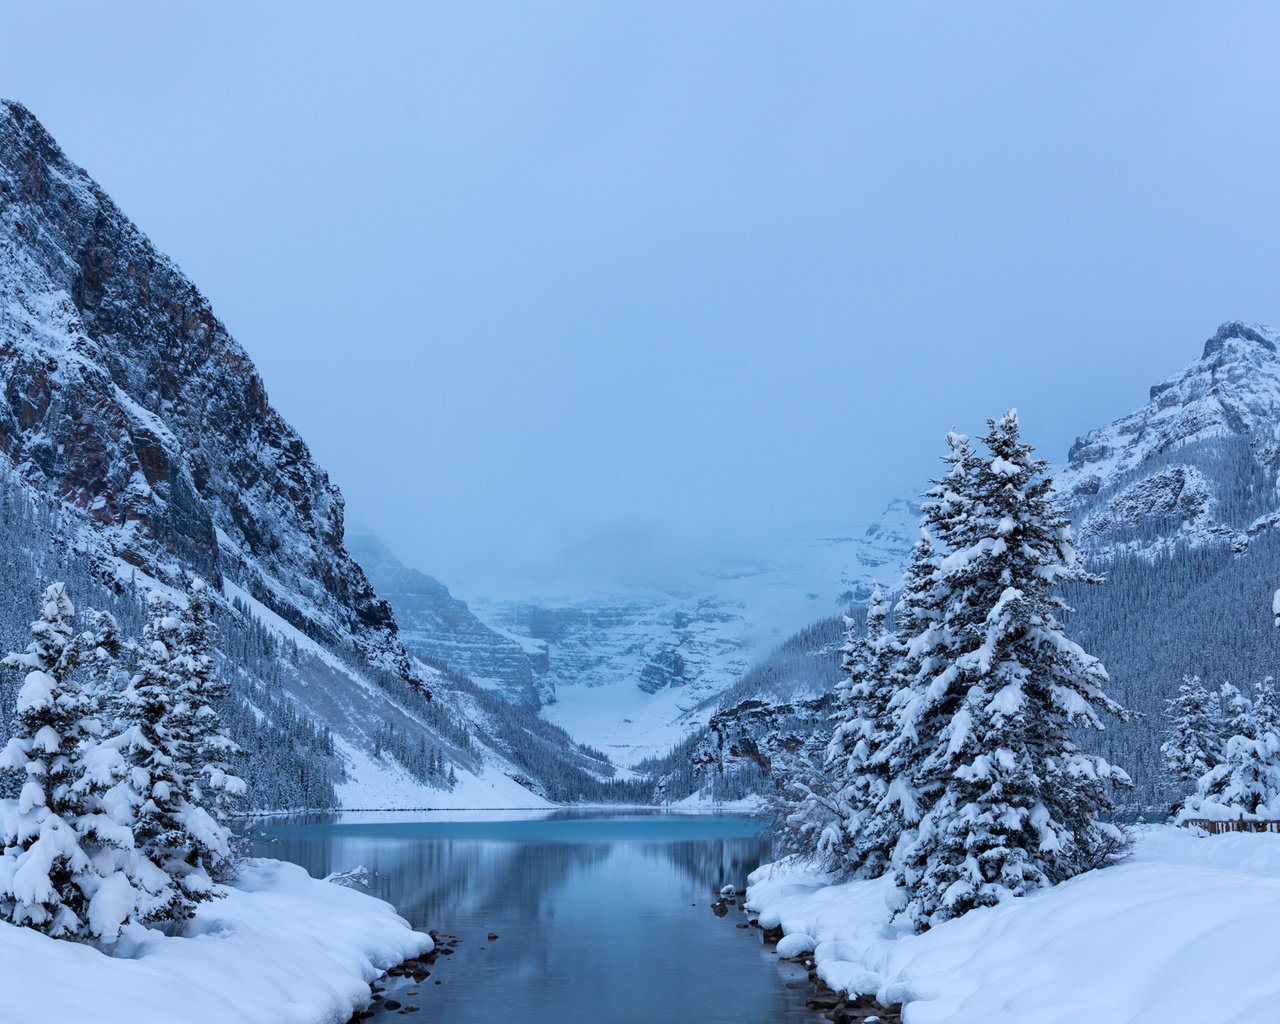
(377, 785)
(1184, 931)
(281, 948)
(624, 721)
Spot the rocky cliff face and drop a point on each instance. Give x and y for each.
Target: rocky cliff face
(1232, 390)
(748, 738)
(1197, 463)
(123, 396)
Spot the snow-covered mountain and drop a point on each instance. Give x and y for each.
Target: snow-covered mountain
(633, 672)
(126, 398)
(1232, 389)
(440, 628)
(137, 443)
(1196, 463)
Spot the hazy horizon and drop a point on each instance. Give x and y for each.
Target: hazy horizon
(582, 290)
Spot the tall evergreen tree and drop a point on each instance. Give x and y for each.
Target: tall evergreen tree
(863, 727)
(1194, 742)
(161, 703)
(1010, 802)
(43, 866)
(215, 785)
(63, 869)
(914, 659)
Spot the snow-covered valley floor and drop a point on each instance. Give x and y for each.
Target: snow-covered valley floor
(281, 948)
(1185, 931)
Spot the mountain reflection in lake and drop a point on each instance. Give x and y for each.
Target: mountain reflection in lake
(600, 917)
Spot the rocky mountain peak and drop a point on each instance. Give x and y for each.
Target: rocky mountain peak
(1238, 330)
(1232, 390)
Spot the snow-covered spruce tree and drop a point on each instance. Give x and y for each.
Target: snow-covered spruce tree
(1245, 781)
(1010, 802)
(161, 705)
(1195, 739)
(863, 726)
(914, 659)
(1266, 705)
(215, 786)
(60, 869)
(1237, 716)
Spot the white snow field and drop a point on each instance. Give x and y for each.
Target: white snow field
(1185, 931)
(281, 948)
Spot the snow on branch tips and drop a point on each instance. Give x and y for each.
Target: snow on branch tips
(123, 798)
(953, 756)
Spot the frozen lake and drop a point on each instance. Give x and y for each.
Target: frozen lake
(599, 916)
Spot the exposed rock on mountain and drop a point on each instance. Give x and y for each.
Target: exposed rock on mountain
(1196, 462)
(127, 399)
(1232, 390)
(440, 628)
(743, 743)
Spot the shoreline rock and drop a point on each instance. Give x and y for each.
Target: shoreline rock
(416, 970)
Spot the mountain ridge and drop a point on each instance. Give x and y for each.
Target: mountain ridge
(141, 440)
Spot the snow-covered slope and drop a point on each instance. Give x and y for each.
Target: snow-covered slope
(141, 433)
(440, 627)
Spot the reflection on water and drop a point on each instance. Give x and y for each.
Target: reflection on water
(600, 917)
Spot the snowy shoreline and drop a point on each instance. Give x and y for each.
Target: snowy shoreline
(1182, 931)
(280, 948)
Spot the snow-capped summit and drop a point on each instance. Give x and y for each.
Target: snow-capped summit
(1195, 462)
(1232, 390)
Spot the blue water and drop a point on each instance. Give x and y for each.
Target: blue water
(600, 917)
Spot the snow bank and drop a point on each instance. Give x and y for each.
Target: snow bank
(1185, 931)
(281, 948)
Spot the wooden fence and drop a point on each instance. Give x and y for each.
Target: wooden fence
(1216, 828)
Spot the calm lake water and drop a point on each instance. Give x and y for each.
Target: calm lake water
(600, 917)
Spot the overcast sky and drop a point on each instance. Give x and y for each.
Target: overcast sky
(649, 279)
